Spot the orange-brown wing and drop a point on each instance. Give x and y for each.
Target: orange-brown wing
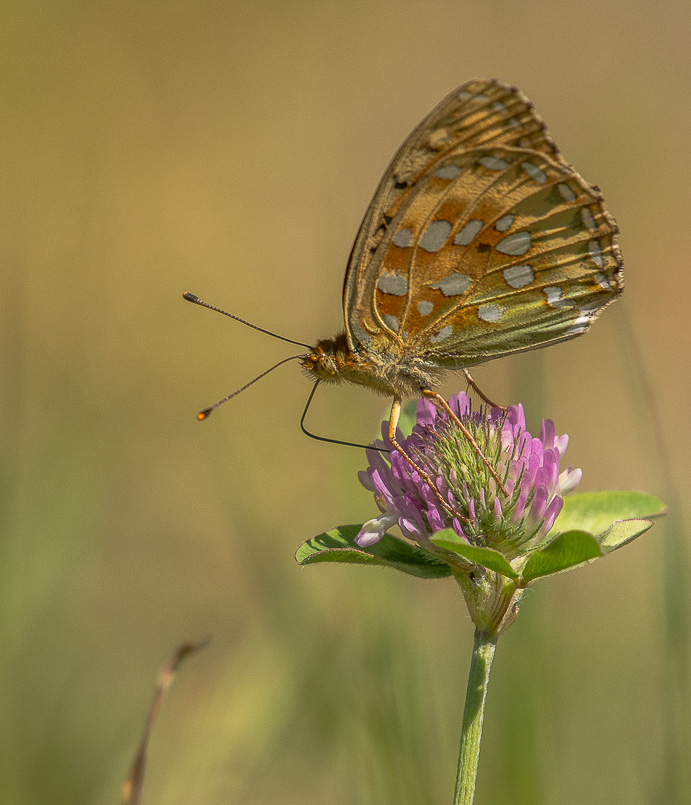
(480, 239)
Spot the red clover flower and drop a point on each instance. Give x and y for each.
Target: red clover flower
(510, 522)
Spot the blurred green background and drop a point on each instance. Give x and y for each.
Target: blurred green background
(230, 149)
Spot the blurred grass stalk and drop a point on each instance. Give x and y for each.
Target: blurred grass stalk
(675, 784)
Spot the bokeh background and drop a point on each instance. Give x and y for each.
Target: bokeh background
(230, 149)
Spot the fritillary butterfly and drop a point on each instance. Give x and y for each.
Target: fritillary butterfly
(480, 241)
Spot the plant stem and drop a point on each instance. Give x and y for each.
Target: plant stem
(473, 715)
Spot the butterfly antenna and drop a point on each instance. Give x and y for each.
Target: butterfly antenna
(324, 438)
(190, 297)
(202, 415)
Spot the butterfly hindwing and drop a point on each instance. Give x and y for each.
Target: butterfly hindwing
(480, 240)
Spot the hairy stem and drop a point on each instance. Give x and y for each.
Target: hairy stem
(473, 715)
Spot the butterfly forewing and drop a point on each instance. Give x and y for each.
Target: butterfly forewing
(480, 240)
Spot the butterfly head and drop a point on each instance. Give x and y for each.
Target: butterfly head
(384, 370)
(328, 359)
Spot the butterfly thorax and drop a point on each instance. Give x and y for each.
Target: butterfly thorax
(393, 372)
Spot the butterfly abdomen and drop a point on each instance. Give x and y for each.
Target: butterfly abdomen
(333, 361)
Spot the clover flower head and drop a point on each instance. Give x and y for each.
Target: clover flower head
(511, 520)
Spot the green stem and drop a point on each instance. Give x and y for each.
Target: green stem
(473, 715)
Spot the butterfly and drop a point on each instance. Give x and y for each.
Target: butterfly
(480, 241)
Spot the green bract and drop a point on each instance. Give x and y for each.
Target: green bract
(591, 525)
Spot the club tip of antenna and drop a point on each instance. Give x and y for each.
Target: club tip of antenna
(191, 297)
(202, 415)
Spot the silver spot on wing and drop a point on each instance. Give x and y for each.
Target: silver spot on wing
(435, 236)
(580, 325)
(445, 332)
(514, 244)
(403, 238)
(393, 284)
(490, 312)
(566, 192)
(453, 285)
(519, 276)
(553, 294)
(587, 218)
(448, 172)
(465, 235)
(493, 163)
(602, 281)
(595, 253)
(391, 322)
(535, 173)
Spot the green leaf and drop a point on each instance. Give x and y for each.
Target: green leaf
(595, 512)
(565, 551)
(338, 545)
(620, 534)
(485, 557)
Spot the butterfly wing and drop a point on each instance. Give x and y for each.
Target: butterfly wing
(480, 240)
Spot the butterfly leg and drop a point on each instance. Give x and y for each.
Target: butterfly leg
(440, 402)
(485, 399)
(393, 424)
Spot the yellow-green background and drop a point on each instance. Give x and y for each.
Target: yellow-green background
(230, 149)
